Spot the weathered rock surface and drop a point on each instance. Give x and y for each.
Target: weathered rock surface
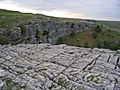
(2, 80)
(60, 67)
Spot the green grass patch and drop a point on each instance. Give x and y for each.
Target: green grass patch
(13, 86)
(104, 39)
(10, 18)
(113, 25)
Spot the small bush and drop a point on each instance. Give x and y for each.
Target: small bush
(4, 40)
(67, 23)
(45, 33)
(78, 45)
(98, 29)
(86, 45)
(23, 29)
(60, 40)
(111, 45)
(99, 45)
(72, 34)
(94, 35)
(72, 25)
(38, 34)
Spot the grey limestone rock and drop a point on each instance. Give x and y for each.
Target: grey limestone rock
(27, 33)
(2, 80)
(59, 67)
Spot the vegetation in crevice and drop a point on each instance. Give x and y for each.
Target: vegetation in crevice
(65, 83)
(4, 40)
(60, 40)
(23, 29)
(38, 33)
(45, 33)
(13, 86)
(92, 78)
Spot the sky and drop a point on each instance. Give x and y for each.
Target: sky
(85, 9)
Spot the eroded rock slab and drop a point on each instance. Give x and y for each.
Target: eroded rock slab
(59, 67)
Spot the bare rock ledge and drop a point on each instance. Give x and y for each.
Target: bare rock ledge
(58, 67)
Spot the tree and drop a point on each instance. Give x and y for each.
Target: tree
(98, 29)
(72, 25)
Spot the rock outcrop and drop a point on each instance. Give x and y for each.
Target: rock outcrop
(44, 31)
(59, 67)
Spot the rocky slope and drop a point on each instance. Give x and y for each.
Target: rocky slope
(58, 67)
(38, 31)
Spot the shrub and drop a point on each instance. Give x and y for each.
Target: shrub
(115, 45)
(67, 23)
(45, 33)
(106, 44)
(98, 44)
(8, 33)
(23, 29)
(86, 45)
(98, 29)
(38, 33)
(94, 35)
(72, 34)
(4, 40)
(111, 45)
(72, 25)
(60, 40)
(78, 45)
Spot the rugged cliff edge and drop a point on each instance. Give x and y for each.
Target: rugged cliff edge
(58, 67)
(47, 31)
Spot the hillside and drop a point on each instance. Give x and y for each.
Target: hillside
(113, 25)
(17, 27)
(8, 19)
(58, 67)
(11, 18)
(105, 39)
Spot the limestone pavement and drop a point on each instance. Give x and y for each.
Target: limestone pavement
(58, 67)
